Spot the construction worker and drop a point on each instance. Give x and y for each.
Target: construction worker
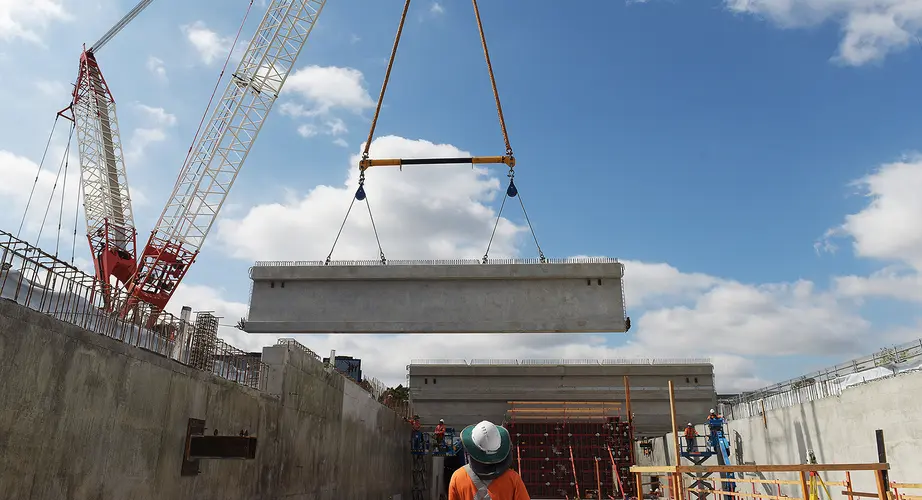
(690, 434)
(417, 435)
(715, 422)
(440, 433)
(487, 474)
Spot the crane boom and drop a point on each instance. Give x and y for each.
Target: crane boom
(133, 13)
(106, 201)
(220, 151)
(110, 226)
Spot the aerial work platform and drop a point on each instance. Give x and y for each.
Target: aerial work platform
(458, 296)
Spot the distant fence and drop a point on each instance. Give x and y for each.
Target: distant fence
(556, 362)
(825, 383)
(40, 281)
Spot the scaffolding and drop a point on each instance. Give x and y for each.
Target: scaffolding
(565, 449)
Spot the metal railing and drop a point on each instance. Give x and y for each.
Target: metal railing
(433, 262)
(42, 282)
(297, 345)
(556, 362)
(820, 384)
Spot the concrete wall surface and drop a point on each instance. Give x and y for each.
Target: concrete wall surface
(839, 429)
(465, 394)
(83, 416)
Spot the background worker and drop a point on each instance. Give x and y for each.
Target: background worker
(487, 475)
(417, 435)
(440, 433)
(690, 435)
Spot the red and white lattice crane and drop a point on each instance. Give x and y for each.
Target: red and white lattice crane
(106, 201)
(220, 151)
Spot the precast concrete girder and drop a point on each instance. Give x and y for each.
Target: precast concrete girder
(501, 296)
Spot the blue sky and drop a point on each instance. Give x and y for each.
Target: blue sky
(753, 162)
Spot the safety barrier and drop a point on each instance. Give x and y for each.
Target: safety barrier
(801, 481)
(557, 362)
(824, 383)
(433, 262)
(42, 282)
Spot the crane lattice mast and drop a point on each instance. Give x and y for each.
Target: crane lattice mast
(221, 149)
(110, 226)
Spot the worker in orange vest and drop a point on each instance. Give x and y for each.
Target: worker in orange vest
(488, 473)
(440, 433)
(417, 435)
(690, 434)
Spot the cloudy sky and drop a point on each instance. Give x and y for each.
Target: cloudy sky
(753, 162)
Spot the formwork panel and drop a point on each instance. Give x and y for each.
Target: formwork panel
(566, 455)
(438, 297)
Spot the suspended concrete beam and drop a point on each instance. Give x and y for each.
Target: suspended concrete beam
(501, 296)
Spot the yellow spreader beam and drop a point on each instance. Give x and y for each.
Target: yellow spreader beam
(399, 162)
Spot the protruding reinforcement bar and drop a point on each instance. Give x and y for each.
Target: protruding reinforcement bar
(399, 162)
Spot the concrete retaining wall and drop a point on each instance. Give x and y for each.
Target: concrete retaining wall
(83, 416)
(839, 429)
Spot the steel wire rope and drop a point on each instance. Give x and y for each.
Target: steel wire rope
(343, 225)
(57, 240)
(486, 56)
(387, 77)
(360, 193)
(214, 92)
(37, 174)
(486, 255)
(54, 187)
(73, 249)
(361, 196)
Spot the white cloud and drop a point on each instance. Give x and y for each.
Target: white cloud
(323, 88)
(320, 93)
(28, 19)
(158, 120)
(443, 212)
(339, 141)
(887, 230)
(157, 67)
(209, 45)
(871, 28)
(426, 212)
(436, 8)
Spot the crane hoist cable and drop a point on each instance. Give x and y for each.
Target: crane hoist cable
(507, 159)
(38, 172)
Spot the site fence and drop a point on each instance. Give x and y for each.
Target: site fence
(42, 282)
(825, 383)
(555, 362)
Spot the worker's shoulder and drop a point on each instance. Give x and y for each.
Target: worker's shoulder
(460, 475)
(512, 476)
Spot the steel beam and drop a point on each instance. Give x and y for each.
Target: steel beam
(507, 296)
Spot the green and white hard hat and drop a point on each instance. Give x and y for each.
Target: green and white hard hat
(486, 442)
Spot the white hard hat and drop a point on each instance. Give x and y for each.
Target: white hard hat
(712, 410)
(441, 421)
(690, 424)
